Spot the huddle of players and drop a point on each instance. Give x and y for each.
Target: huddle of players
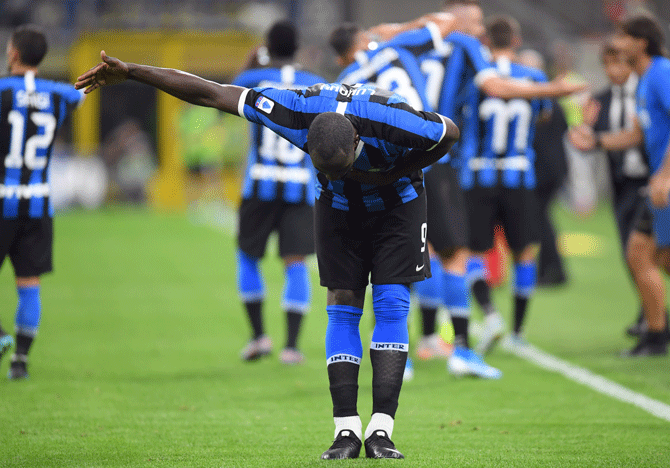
(437, 63)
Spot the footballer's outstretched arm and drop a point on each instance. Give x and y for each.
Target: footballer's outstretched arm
(510, 88)
(182, 85)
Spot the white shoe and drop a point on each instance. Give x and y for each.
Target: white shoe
(493, 330)
(513, 342)
(433, 347)
(256, 349)
(465, 362)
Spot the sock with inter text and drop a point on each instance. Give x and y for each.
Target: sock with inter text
(344, 351)
(388, 353)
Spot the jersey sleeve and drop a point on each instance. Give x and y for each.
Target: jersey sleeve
(277, 109)
(408, 128)
(661, 82)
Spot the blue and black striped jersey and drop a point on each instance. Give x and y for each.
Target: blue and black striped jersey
(31, 110)
(393, 68)
(449, 65)
(276, 169)
(388, 128)
(496, 146)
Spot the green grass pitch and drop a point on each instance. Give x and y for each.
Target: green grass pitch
(136, 364)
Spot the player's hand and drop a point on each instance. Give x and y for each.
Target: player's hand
(590, 112)
(371, 178)
(659, 190)
(110, 71)
(582, 137)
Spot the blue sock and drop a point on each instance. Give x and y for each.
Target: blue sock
(343, 337)
(296, 288)
(456, 294)
(28, 310)
(391, 307)
(429, 291)
(525, 278)
(476, 270)
(249, 279)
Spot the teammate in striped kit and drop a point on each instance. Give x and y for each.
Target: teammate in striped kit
(498, 176)
(31, 111)
(277, 195)
(369, 147)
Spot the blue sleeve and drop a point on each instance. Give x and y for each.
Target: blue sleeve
(661, 81)
(246, 79)
(72, 96)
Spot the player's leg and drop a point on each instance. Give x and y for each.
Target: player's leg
(296, 241)
(429, 297)
(448, 235)
(641, 253)
(483, 209)
(8, 229)
(398, 260)
(344, 267)
(256, 222)
(519, 216)
(626, 202)
(31, 255)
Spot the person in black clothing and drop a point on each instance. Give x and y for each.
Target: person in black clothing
(551, 169)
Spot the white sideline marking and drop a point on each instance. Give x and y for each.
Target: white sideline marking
(591, 380)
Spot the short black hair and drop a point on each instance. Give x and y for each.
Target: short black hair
(646, 27)
(329, 140)
(502, 30)
(31, 43)
(282, 40)
(343, 38)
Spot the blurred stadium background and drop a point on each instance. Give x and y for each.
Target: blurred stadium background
(126, 128)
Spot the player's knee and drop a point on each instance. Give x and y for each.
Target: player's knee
(348, 297)
(639, 252)
(390, 301)
(664, 259)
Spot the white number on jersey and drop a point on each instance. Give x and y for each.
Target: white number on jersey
(397, 80)
(434, 71)
(276, 148)
(504, 113)
(41, 141)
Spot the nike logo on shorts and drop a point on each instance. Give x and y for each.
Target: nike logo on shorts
(419, 268)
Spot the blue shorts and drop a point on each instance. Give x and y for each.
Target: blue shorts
(655, 222)
(661, 217)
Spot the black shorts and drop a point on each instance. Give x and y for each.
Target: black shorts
(447, 215)
(293, 222)
(626, 202)
(389, 246)
(643, 222)
(515, 209)
(29, 244)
